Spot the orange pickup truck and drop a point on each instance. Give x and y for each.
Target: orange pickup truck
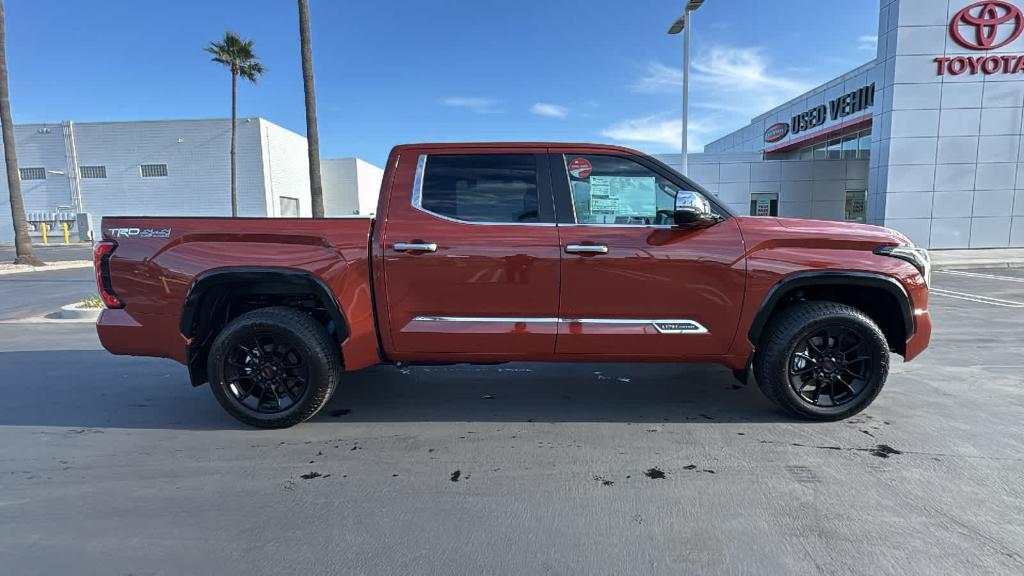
(489, 253)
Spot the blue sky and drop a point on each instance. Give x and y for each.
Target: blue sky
(391, 72)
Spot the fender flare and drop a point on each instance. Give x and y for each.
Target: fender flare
(203, 283)
(792, 282)
(289, 279)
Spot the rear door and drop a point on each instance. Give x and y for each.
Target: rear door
(471, 255)
(633, 283)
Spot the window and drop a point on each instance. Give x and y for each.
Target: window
(834, 149)
(153, 170)
(850, 147)
(617, 190)
(820, 151)
(764, 204)
(289, 207)
(481, 187)
(32, 173)
(856, 205)
(864, 144)
(93, 171)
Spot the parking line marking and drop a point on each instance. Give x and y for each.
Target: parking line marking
(977, 298)
(979, 275)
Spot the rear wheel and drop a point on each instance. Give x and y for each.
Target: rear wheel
(822, 360)
(273, 367)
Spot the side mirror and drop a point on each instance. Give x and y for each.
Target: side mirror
(693, 209)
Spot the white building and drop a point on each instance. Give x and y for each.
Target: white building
(926, 138)
(341, 176)
(172, 168)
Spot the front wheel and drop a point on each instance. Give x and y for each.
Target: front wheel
(822, 360)
(273, 367)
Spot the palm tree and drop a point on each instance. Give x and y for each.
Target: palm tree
(316, 192)
(24, 254)
(238, 56)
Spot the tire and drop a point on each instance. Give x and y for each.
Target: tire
(801, 355)
(273, 367)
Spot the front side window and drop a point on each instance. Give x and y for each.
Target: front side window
(617, 190)
(495, 188)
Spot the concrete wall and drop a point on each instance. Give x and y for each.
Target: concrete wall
(285, 164)
(806, 188)
(351, 186)
(948, 172)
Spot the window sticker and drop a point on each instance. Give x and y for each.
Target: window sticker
(580, 168)
(623, 195)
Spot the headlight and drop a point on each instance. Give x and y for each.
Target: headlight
(916, 256)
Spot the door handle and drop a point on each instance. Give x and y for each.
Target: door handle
(410, 247)
(586, 249)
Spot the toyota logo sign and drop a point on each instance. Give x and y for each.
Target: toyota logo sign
(987, 25)
(776, 132)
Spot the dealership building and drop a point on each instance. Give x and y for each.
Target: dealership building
(173, 168)
(925, 138)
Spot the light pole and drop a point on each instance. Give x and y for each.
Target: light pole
(683, 24)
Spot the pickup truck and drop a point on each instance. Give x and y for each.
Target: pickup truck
(502, 252)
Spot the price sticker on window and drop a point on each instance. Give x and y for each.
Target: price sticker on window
(580, 168)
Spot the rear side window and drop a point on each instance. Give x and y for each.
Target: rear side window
(497, 188)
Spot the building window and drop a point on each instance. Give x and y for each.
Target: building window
(864, 144)
(32, 173)
(289, 207)
(481, 187)
(850, 147)
(93, 171)
(764, 204)
(153, 170)
(856, 205)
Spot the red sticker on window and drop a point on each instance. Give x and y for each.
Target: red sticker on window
(580, 168)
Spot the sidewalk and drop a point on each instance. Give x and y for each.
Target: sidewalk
(978, 258)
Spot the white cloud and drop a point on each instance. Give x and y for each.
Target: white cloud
(480, 105)
(658, 133)
(549, 110)
(867, 43)
(658, 78)
(728, 86)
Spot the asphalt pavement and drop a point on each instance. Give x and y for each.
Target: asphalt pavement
(51, 252)
(116, 465)
(29, 294)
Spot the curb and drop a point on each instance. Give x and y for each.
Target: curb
(73, 312)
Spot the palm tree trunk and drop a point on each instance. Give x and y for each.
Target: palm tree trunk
(234, 129)
(24, 254)
(316, 192)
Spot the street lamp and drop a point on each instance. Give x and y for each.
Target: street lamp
(683, 24)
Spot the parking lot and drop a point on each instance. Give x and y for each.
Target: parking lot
(115, 465)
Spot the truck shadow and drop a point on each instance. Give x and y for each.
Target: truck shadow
(92, 389)
(529, 392)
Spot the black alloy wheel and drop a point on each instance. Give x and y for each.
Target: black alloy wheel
(830, 367)
(267, 375)
(273, 367)
(821, 360)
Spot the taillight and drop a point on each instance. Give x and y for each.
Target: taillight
(101, 263)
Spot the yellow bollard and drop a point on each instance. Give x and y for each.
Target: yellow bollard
(67, 238)
(46, 240)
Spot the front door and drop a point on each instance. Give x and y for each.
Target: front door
(471, 256)
(632, 282)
